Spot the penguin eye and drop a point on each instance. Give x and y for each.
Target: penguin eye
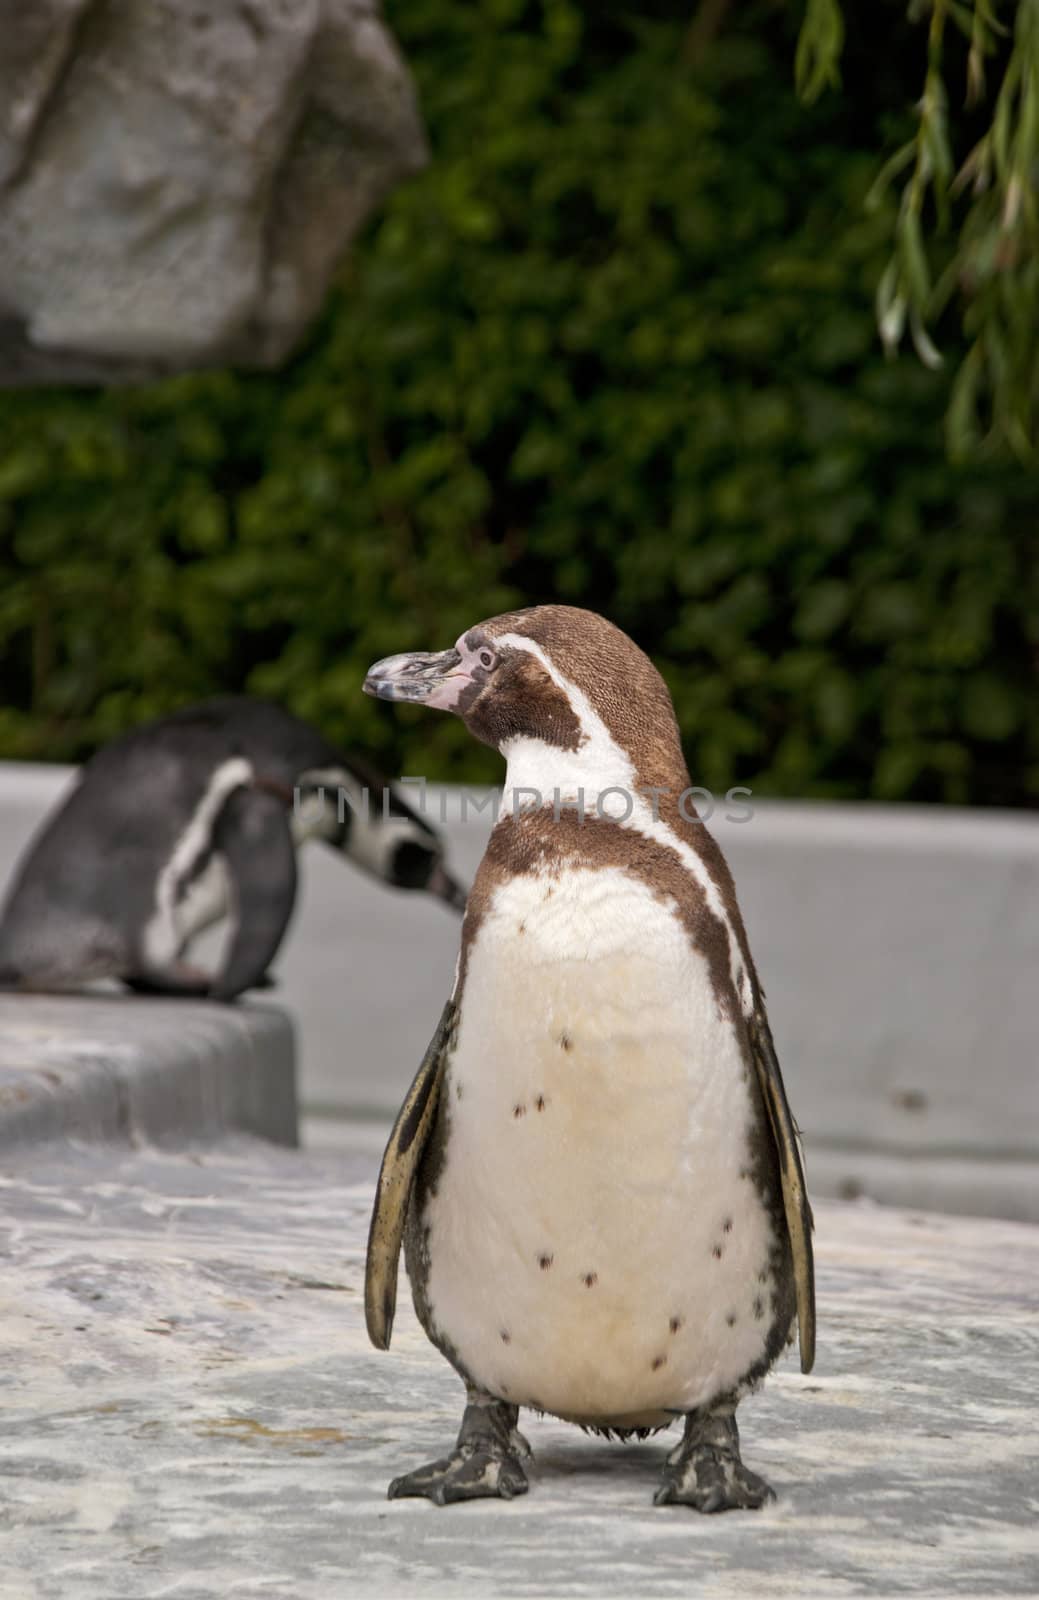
(486, 658)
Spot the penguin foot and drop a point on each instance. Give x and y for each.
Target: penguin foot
(485, 1463)
(705, 1471)
(177, 981)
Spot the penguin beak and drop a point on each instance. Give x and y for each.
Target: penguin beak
(429, 679)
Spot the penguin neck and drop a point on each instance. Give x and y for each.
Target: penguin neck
(597, 774)
(618, 755)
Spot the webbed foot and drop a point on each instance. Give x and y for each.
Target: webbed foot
(485, 1463)
(705, 1470)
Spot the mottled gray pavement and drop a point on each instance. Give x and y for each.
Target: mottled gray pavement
(190, 1409)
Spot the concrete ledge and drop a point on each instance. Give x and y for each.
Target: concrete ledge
(898, 946)
(93, 1068)
(966, 1186)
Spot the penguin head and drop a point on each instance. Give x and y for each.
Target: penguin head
(556, 675)
(317, 809)
(358, 813)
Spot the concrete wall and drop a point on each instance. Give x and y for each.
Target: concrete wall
(898, 947)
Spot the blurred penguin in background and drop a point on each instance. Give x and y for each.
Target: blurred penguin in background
(189, 820)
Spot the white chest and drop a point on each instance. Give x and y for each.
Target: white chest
(204, 901)
(597, 1247)
(178, 912)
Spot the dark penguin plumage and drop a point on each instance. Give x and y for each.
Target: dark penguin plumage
(187, 820)
(595, 1176)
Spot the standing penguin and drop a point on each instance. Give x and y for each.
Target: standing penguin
(595, 1173)
(185, 821)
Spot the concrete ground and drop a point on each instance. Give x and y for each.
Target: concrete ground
(189, 1408)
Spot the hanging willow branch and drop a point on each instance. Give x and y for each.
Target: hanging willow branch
(992, 203)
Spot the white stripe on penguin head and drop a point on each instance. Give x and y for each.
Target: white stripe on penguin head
(600, 764)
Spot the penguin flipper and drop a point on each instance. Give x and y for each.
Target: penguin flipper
(791, 1168)
(254, 837)
(396, 1176)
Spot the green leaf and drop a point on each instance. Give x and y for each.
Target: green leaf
(819, 45)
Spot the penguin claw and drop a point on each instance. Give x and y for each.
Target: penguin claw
(711, 1480)
(467, 1474)
(520, 1446)
(705, 1469)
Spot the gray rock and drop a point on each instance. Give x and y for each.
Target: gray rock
(36, 45)
(179, 178)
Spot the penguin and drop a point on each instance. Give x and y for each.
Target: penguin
(188, 820)
(596, 1175)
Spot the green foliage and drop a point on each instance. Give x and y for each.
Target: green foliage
(990, 272)
(615, 347)
(819, 46)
